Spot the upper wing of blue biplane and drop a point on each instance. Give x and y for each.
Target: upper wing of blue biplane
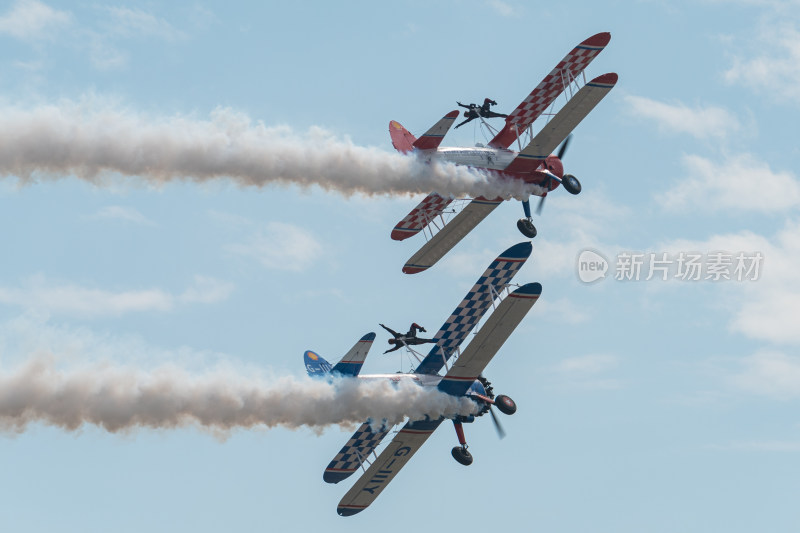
(474, 306)
(489, 339)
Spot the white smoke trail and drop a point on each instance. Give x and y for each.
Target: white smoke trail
(119, 398)
(93, 140)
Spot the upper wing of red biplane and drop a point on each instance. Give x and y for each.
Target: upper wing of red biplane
(567, 118)
(548, 90)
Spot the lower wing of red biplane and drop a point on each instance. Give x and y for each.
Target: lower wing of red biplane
(460, 379)
(531, 164)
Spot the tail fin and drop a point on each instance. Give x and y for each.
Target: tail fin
(405, 142)
(402, 139)
(351, 363)
(315, 364)
(434, 136)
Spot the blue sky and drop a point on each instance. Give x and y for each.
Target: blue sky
(643, 405)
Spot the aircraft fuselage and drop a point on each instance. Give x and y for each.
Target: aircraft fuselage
(478, 157)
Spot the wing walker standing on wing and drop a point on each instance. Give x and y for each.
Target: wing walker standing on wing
(473, 111)
(409, 339)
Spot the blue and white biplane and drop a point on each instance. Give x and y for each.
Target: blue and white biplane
(464, 377)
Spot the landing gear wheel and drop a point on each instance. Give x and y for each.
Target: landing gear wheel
(462, 455)
(526, 227)
(506, 405)
(571, 184)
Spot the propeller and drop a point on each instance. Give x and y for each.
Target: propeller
(564, 145)
(561, 152)
(497, 426)
(540, 205)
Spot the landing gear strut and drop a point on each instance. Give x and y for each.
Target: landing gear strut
(460, 453)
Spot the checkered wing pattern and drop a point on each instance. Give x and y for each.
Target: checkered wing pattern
(349, 459)
(477, 301)
(548, 90)
(560, 126)
(419, 217)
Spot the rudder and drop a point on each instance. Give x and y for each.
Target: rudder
(351, 363)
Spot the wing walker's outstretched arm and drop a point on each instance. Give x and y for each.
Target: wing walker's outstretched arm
(390, 330)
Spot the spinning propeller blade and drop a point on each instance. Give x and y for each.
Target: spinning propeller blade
(500, 432)
(564, 145)
(540, 205)
(561, 152)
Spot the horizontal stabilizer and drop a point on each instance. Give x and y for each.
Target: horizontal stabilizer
(494, 333)
(351, 363)
(434, 136)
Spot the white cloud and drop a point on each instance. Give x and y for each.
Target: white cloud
(501, 8)
(769, 373)
(765, 309)
(592, 218)
(31, 19)
(281, 246)
(74, 300)
(740, 182)
(136, 22)
(587, 372)
(699, 122)
(774, 68)
(206, 290)
(562, 310)
(126, 214)
(588, 364)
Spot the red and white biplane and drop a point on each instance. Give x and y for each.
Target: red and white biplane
(534, 164)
